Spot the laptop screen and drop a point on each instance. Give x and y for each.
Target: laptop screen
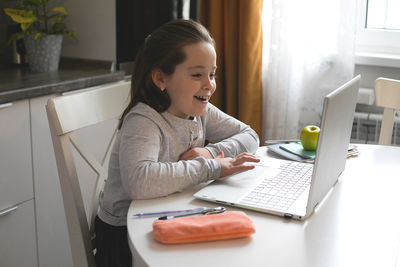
(334, 139)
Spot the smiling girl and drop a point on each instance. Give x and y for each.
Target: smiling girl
(160, 146)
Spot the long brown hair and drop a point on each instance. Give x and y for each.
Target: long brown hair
(162, 49)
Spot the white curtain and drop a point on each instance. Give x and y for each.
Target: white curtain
(308, 51)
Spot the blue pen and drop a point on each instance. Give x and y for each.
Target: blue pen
(203, 212)
(168, 212)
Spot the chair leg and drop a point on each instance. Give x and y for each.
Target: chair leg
(385, 137)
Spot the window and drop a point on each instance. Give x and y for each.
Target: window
(378, 33)
(383, 14)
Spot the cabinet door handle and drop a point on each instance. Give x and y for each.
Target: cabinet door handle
(7, 210)
(6, 105)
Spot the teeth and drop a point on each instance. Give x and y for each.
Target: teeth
(202, 97)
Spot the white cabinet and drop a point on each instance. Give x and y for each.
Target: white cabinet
(15, 154)
(18, 236)
(17, 218)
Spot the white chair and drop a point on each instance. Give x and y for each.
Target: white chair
(387, 93)
(67, 114)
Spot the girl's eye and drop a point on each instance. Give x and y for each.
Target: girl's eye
(199, 75)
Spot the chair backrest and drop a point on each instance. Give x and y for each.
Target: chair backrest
(67, 114)
(387, 93)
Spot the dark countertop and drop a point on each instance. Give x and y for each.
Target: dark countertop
(17, 82)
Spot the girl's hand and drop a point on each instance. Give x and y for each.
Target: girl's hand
(196, 152)
(234, 165)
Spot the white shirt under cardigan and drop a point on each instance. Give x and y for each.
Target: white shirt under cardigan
(145, 162)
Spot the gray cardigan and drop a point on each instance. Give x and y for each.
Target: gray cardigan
(145, 162)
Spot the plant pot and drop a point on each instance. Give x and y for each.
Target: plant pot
(43, 54)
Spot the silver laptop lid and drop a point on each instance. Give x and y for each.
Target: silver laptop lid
(334, 139)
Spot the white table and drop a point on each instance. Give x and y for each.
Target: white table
(358, 224)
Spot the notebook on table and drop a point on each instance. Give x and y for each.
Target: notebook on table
(289, 188)
(294, 151)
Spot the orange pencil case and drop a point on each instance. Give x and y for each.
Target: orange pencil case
(225, 225)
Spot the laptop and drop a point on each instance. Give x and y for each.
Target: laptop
(288, 188)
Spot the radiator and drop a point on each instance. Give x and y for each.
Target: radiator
(367, 126)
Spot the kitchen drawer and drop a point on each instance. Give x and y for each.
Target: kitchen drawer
(16, 183)
(18, 236)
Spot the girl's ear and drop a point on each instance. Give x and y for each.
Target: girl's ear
(158, 78)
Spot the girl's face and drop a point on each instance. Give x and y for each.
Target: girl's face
(193, 81)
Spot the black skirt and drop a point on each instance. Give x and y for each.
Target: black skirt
(112, 248)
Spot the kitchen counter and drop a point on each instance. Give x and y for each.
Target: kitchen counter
(17, 82)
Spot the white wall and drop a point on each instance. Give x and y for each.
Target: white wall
(94, 22)
(370, 73)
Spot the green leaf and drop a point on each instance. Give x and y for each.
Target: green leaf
(20, 16)
(57, 28)
(34, 21)
(25, 26)
(59, 9)
(39, 35)
(57, 19)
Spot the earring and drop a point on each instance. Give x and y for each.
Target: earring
(162, 89)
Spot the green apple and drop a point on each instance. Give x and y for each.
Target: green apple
(309, 137)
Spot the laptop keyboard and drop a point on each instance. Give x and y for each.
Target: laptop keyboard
(280, 192)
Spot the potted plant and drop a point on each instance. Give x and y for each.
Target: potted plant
(42, 29)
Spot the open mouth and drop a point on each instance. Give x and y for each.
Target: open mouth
(202, 98)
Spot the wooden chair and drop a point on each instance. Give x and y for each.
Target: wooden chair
(66, 115)
(387, 93)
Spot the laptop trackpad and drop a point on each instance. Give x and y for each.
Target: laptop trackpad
(231, 188)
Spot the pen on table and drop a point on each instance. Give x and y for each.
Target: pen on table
(167, 212)
(271, 142)
(207, 211)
